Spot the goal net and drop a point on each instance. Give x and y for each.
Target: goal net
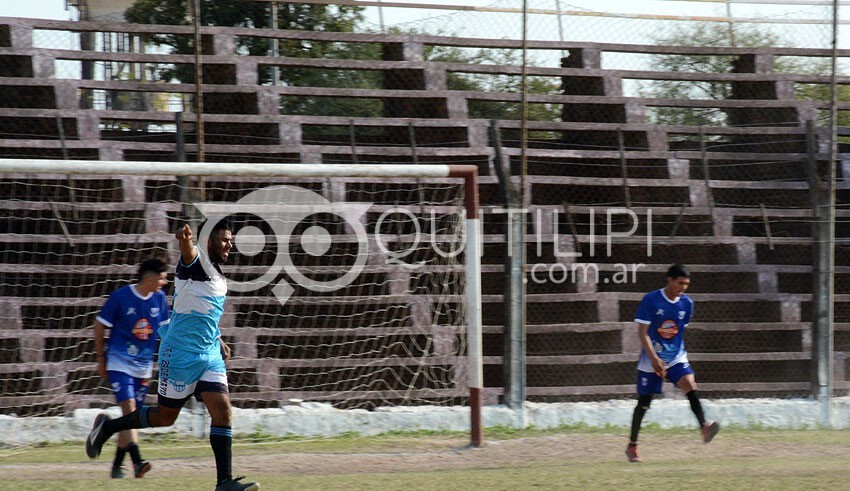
(354, 286)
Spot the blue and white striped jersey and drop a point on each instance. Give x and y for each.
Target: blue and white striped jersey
(199, 292)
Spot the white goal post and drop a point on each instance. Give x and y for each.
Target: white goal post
(381, 302)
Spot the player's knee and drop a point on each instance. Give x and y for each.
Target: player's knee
(163, 416)
(644, 402)
(222, 417)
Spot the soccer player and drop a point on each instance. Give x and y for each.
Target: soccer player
(662, 317)
(191, 355)
(133, 314)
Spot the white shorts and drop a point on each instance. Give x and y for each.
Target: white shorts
(180, 371)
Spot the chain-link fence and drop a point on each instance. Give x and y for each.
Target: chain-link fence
(634, 136)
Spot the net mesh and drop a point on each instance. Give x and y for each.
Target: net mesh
(348, 292)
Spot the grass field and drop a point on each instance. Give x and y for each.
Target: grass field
(568, 458)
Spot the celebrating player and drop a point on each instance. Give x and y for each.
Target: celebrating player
(133, 314)
(662, 317)
(191, 355)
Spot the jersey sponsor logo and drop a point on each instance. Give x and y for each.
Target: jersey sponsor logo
(681, 314)
(131, 311)
(142, 329)
(132, 350)
(668, 329)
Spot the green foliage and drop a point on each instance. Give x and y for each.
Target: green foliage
(294, 16)
(712, 34)
(497, 83)
(306, 17)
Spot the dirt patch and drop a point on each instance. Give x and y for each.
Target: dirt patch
(439, 453)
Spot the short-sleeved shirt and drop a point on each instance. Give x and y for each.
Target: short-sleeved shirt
(667, 320)
(199, 293)
(133, 321)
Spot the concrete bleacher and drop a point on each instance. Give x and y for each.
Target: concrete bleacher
(735, 207)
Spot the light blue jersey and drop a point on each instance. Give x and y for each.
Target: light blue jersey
(199, 292)
(667, 320)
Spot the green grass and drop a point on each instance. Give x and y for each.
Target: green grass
(565, 458)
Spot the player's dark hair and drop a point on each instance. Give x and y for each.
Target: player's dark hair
(154, 265)
(223, 224)
(677, 271)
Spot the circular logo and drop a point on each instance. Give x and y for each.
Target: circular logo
(283, 208)
(668, 329)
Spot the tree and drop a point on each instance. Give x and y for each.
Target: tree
(295, 16)
(719, 35)
(497, 84)
(705, 34)
(307, 17)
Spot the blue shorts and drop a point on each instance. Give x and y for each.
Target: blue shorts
(184, 373)
(127, 387)
(649, 383)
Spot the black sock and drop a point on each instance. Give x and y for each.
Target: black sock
(135, 454)
(221, 440)
(696, 407)
(637, 417)
(119, 457)
(135, 420)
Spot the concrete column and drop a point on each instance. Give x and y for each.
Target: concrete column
(608, 307)
(133, 188)
(657, 141)
(746, 253)
(290, 133)
(247, 72)
(110, 154)
(11, 312)
(768, 282)
(220, 44)
(582, 58)
(88, 126)
(16, 36)
(67, 96)
(405, 51)
(43, 66)
(724, 220)
(679, 169)
(457, 107)
(311, 155)
(268, 103)
(435, 79)
(790, 311)
(478, 134)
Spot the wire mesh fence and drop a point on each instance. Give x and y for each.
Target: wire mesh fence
(638, 135)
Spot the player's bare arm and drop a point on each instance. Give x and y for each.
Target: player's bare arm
(188, 253)
(225, 349)
(657, 363)
(99, 348)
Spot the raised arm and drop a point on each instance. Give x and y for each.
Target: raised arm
(188, 252)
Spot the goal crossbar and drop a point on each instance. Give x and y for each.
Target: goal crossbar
(469, 173)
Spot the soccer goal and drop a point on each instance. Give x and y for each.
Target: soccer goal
(356, 286)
